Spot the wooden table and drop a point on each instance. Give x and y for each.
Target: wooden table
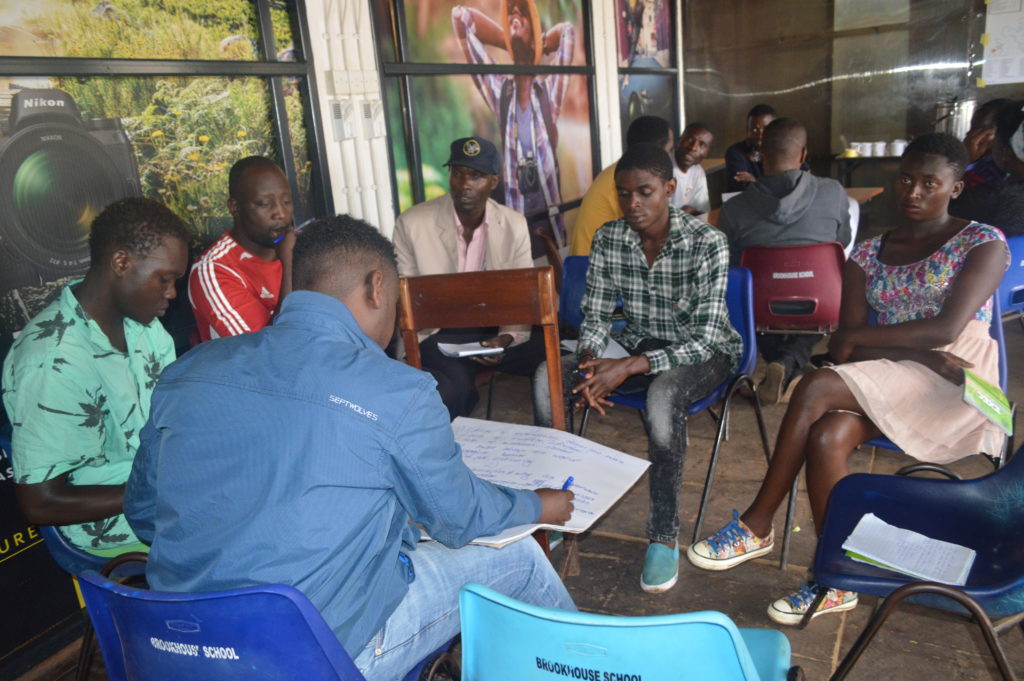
(713, 165)
(863, 194)
(858, 194)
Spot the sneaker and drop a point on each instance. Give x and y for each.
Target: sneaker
(790, 609)
(730, 546)
(661, 568)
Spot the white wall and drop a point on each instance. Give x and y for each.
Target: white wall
(347, 77)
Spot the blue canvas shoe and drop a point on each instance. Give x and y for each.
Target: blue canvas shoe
(661, 568)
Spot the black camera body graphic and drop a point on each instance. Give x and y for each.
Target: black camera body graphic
(57, 172)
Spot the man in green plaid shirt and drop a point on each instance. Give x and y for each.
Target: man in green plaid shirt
(670, 271)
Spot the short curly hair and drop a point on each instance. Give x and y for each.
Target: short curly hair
(339, 246)
(649, 157)
(941, 144)
(136, 224)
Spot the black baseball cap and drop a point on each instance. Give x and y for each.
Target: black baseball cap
(476, 153)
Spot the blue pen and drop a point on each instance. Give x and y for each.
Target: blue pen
(568, 483)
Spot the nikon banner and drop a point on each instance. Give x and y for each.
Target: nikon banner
(37, 595)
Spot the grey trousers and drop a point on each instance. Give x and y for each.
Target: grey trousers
(669, 396)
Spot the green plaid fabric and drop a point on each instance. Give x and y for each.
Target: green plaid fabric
(680, 299)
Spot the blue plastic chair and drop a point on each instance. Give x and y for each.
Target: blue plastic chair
(995, 330)
(505, 639)
(1011, 290)
(984, 514)
(574, 285)
(739, 297)
(261, 632)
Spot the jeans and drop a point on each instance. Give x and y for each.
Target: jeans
(456, 378)
(669, 396)
(792, 351)
(428, 616)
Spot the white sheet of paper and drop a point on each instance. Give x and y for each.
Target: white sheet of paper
(467, 349)
(530, 457)
(613, 350)
(910, 552)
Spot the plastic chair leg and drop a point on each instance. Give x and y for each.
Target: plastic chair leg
(907, 590)
(490, 395)
(928, 468)
(89, 643)
(584, 419)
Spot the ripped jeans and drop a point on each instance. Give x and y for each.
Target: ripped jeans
(669, 396)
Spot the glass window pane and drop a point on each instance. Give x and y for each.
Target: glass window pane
(496, 31)
(545, 146)
(173, 139)
(647, 94)
(644, 31)
(133, 29)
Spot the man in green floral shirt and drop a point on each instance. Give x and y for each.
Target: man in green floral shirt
(77, 382)
(670, 270)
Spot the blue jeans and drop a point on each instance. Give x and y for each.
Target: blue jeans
(428, 616)
(669, 396)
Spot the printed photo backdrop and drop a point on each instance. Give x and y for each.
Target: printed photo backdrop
(544, 136)
(172, 139)
(645, 41)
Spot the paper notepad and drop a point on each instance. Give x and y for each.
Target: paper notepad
(467, 349)
(613, 350)
(529, 457)
(876, 542)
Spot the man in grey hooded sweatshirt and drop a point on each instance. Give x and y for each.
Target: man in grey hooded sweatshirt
(785, 207)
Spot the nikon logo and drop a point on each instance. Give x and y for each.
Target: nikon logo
(36, 102)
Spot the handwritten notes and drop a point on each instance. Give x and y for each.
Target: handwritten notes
(528, 457)
(877, 542)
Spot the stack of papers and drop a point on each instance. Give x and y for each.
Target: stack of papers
(876, 542)
(467, 349)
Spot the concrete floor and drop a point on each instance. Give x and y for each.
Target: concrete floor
(916, 643)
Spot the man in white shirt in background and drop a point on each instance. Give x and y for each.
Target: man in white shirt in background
(691, 194)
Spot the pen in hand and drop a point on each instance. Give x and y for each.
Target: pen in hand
(568, 483)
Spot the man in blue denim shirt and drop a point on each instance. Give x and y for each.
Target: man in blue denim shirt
(300, 453)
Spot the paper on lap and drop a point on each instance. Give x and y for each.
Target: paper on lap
(530, 457)
(613, 350)
(467, 349)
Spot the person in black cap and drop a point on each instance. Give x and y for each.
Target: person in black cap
(467, 231)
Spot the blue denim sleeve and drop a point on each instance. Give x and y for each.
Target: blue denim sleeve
(438, 490)
(140, 491)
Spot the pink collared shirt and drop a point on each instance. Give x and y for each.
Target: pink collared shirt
(471, 255)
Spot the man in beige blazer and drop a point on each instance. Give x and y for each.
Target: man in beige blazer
(467, 231)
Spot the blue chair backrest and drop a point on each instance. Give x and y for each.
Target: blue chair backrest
(505, 639)
(262, 632)
(739, 298)
(574, 285)
(1011, 290)
(69, 557)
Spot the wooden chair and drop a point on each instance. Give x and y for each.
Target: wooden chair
(490, 298)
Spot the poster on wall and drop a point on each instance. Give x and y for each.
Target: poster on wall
(70, 146)
(645, 41)
(644, 32)
(540, 122)
(1004, 42)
